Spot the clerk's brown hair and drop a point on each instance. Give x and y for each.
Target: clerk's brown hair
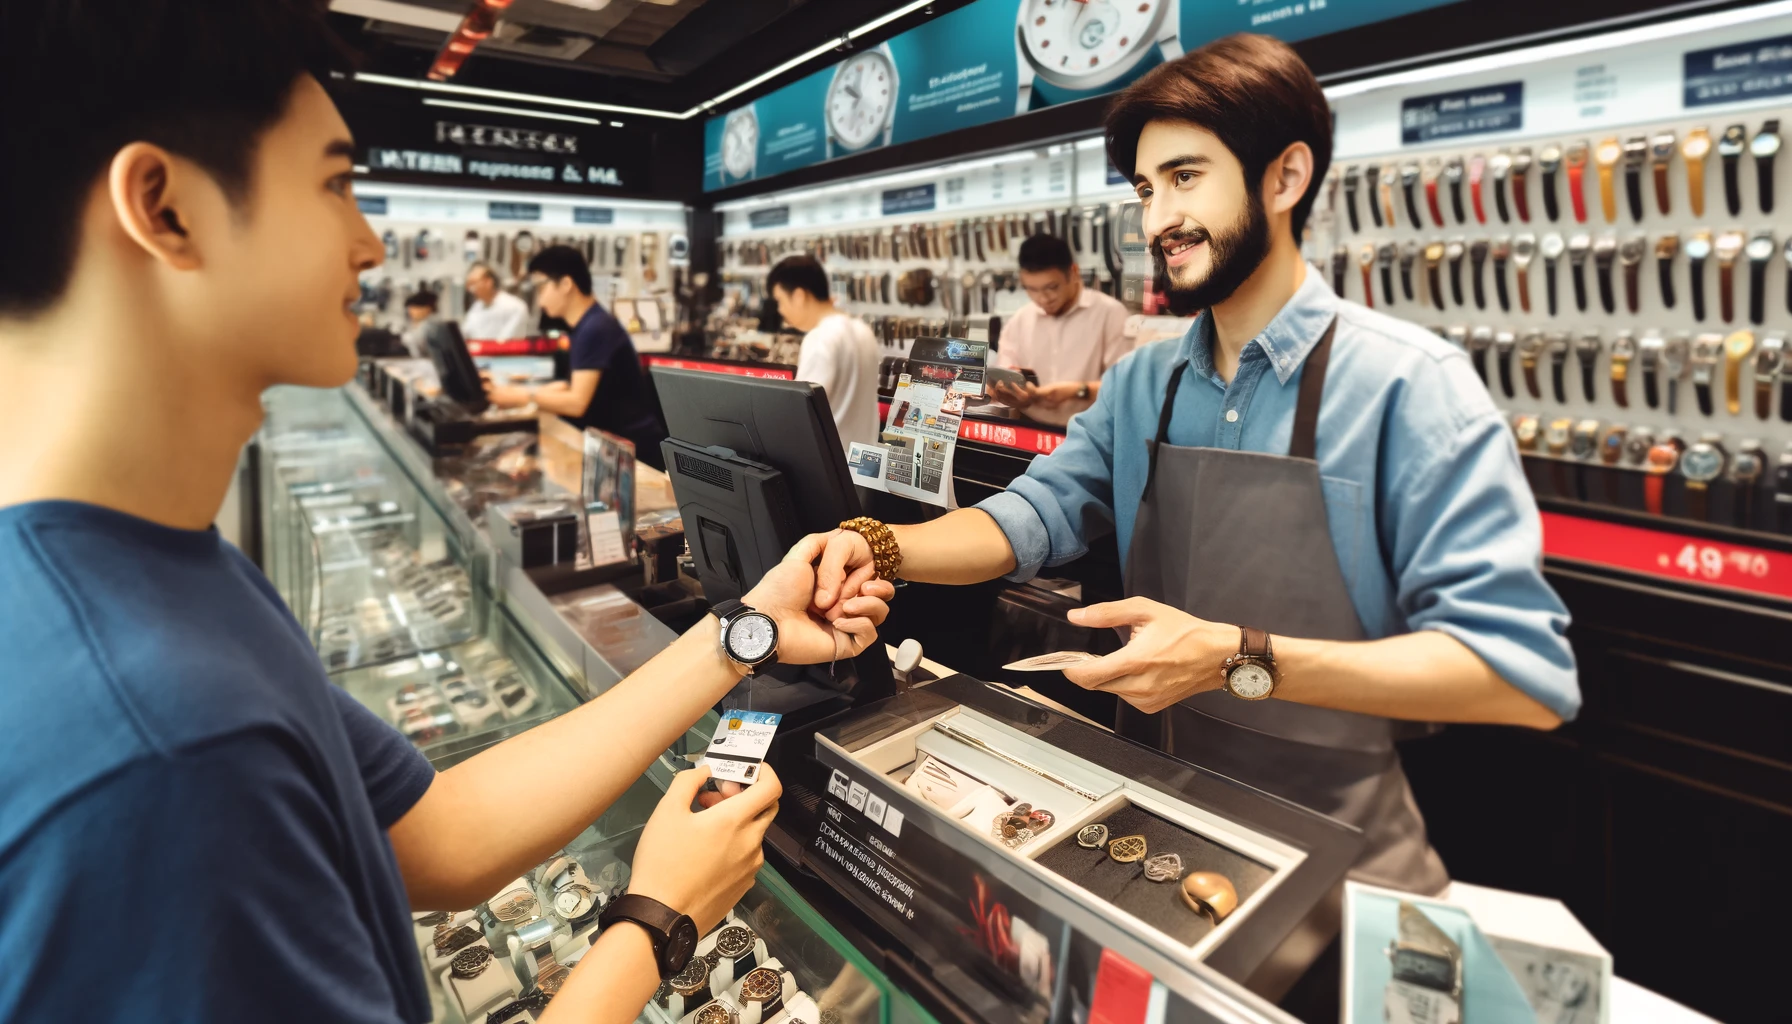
(1254, 93)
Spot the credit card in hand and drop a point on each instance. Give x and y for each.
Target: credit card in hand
(1056, 661)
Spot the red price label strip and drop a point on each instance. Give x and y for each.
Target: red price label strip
(1669, 555)
(770, 373)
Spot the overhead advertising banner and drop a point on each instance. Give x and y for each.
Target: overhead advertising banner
(990, 60)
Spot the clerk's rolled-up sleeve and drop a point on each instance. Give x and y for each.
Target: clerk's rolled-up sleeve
(1065, 498)
(1466, 545)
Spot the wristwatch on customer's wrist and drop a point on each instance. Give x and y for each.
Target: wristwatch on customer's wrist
(1082, 391)
(749, 637)
(674, 935)
(1251, 673)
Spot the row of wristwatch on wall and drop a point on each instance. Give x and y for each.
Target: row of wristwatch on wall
(1737, 363)
(1659, 473)
(988, 239)
(1510, 171)
(1608, 254)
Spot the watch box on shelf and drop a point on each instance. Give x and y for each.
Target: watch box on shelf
(961, 817)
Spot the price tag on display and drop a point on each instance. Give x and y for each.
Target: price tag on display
(739, 745)
(1662, 553)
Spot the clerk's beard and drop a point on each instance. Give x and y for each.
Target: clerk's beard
(1233, 256)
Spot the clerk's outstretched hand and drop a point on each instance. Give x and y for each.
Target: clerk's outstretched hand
(812, 630)
(1169, 656)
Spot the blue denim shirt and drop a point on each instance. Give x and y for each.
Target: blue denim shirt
(1429, 510)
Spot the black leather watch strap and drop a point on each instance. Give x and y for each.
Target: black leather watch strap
(1764, 182)
(1651, 386)
(1456, 199)
(1435, 279)
(1632, 286)
(1549, 285)
(1697, 270)
(654, 917)
(1558, 376)
(1586, 379)
(1478, 274)
(1607, 297)
(1387, 282)
(1633, 188)
(1732, 186)
(1505, 361)
(1579, 270)
(1456, 280)
(1478, 356)
(1550, 205)
(1786, 404)
(1666, 268)
(1702, 388)
(1499, 286)
(1757, 292)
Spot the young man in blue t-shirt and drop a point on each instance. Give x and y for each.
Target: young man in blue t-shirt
(195, 824)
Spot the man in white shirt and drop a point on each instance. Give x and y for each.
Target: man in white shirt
(1068, 335)
(495, 315)
(839, 351)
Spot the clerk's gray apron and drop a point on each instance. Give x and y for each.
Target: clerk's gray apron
(1242, 537)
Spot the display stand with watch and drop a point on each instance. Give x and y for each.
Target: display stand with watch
(1698, 249)
(1666, 248)
(1705, 352)
(1648, 352)
(1530, 350)
(1761, 251)
(1559, 345)
(1551, 247)
(1765, 145)
(1663, 459)
(477, 982)
(1426, 977)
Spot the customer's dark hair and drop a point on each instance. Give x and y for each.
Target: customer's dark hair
(424, 298)
(799, 271)
(1253, 92)
(558, 261)
(84, 78)
(1045, 252)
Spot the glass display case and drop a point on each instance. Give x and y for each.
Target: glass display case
(378, 549)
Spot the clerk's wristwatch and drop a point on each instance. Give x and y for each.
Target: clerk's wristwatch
(1770, 361)
(1730, 147)
(1663, 459)
(1559, 345)
(1426, 982)
(1579, 247)
(1251, 673)
(1551, 247)
(1705, 351)
(1577, 173)
(1765, 145)
(749, 637)
(1761, 251)
(1502, 255)
(1605, 255)
(1694, 151)
(1477, 261)
(1530, 349)
(1630, 258)
(1699, 465)
(1524, 250)
(1661, 154)
(1549, 162)
(1648, 357)
(1434, 257)
(1729, 246)
(1365, 258)
(1476, 343)
(1622, 352)
(1503, 344)
(1586, 349)
(673, 935)
(1746, 469)
(1738, 347)
(1607, 156)
(1501, 168)
(1666, 248)
(1636, 154)
(1353, 176)
(1698, 249)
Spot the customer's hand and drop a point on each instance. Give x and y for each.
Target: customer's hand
(701, 863)
(810, 632)
(1169, 655)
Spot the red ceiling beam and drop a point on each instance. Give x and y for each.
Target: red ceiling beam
(475, 27)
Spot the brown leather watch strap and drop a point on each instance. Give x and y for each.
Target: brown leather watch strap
(1726, 291)
(1253, 643)
(1763, 398)
(1524, 289)
(1661, 186)
(1530, 379)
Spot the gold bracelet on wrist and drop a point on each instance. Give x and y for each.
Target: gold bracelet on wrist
(885, 555)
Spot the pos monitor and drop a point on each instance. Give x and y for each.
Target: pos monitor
(454, 365)
(756, 464)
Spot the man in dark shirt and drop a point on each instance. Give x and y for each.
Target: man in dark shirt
(607, 389)
(180, 782)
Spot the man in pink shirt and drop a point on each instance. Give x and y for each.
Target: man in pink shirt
(1068, 335)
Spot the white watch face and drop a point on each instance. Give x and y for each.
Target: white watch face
(861, 98)
(1081, 44)
(751, 638)
(740, 143)
(1251, 681)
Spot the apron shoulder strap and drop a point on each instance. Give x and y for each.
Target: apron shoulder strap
(1163, 427)
(1304, 444)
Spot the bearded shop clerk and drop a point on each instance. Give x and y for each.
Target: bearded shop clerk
(1397, 577)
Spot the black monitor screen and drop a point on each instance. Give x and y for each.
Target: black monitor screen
(454, 365)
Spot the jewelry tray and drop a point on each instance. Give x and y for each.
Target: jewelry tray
(1255, 862)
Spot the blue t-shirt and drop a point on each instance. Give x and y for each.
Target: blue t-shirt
(192, 816)
(622, 404)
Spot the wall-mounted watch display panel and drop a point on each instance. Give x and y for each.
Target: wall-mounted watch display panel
(1599, 237)
(982, 830)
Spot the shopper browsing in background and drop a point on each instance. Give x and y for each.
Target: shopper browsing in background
(419, 313)
(495, 315)
(180, 777)
(839, 351)
(1068, 335)
(607, 389)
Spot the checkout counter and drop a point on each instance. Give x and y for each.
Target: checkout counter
(898, 886)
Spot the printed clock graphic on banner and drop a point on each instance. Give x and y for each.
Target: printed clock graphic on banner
(861, 103)
(740, 144)
(1085, 45)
